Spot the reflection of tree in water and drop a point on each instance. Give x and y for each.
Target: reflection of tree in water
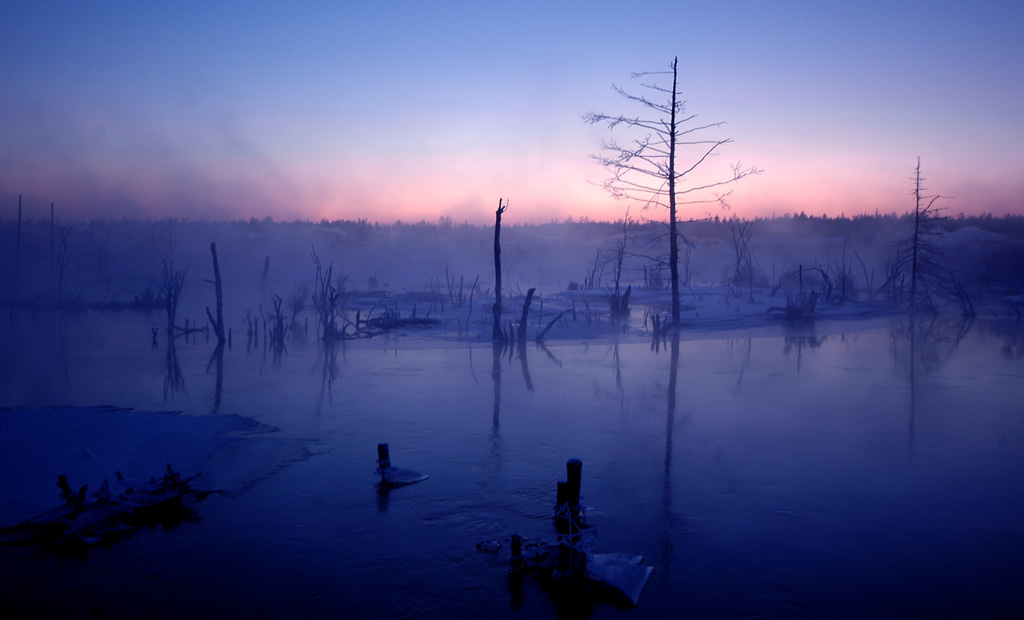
(1013, 348)
(329, 369)
(619, 387)
(667, 515)
(521, 352)
(744, 363)
(921, 345)
(618, 367)
(174, 381)
(799, 344)
(667, 520)
(277, 353)
(551, 356)
(1011, 335)
(498, 352)
(217, 358)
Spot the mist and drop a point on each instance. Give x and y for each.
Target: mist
(117, 263)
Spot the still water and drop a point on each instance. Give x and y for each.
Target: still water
(854, 469)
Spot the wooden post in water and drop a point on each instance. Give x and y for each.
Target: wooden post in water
(568, 527)
(516, 562)
(574, 476)
(383, 457)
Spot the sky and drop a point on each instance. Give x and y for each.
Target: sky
(416, 111)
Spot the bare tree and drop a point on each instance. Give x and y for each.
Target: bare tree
(326, 299)
(921, 248)
(648, 170)
(917, 271)
(743, 270)
(619, 302)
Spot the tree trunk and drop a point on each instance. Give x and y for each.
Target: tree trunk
(218, 324)
(496, 334)
(526, 312)
(673, 239)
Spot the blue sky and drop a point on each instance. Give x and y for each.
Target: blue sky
(417, 110)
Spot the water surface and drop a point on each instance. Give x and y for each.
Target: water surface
(855, 469)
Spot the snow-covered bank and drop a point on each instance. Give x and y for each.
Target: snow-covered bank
(90, 444)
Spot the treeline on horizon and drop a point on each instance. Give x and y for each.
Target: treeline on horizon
(1011, 224)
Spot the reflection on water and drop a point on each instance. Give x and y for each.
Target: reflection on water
(497, 352)
(762, 473)
(921, 344)
(174, 380)
(217, 361)
(797, 345)
(666, 527)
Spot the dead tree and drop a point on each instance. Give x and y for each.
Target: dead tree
(496, 334)
(551, 323)
(923, 260)
(619, 303)
(278, 329)
(296, 304)
(917, 271)
(647, 171)
(325, 300)
(525, 315)
(743, 270)
(218, 323)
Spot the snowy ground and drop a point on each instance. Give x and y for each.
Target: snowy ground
(90, 444)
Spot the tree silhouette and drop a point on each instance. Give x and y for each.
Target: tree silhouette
(918, 271)
(653, 167)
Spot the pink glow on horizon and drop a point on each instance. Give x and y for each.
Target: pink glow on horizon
(469, 191)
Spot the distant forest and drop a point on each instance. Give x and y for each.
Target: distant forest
(46, 260)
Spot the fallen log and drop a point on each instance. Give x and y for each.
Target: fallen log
(89, 518)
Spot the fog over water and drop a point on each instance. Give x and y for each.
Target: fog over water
(866, 463)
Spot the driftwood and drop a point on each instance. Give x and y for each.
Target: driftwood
(388, 320)
(89, 518)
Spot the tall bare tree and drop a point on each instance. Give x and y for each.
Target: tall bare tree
(653, 167)
(918, 271)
